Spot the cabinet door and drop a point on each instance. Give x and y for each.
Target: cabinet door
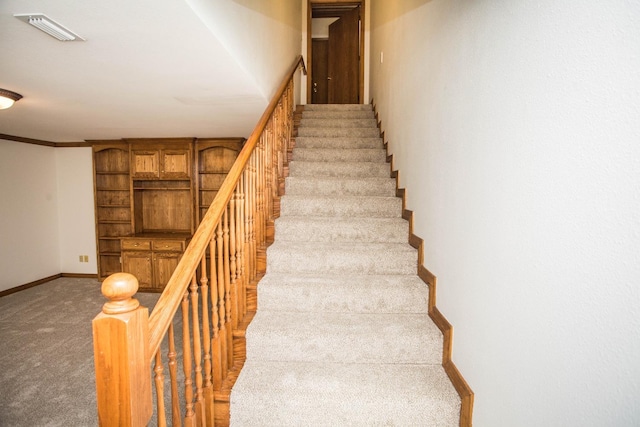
(163, 266)
(145, 164)
(175, 164)
(138, 264)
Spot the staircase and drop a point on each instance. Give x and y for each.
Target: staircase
(342, 335)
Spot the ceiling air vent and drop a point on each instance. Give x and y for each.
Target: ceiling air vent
(49, 26)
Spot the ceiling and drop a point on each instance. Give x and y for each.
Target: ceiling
(148, 68)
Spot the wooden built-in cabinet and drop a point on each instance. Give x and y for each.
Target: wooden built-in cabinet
(152, 259)
(214, 159)
(163, 163)
(150, 194)
(112, 190)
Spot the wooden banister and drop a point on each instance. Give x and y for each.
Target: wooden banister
(171, 297)
(120, 343)
(210, 287)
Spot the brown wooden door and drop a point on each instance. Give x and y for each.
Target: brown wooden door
(320, 71)
(344, 59)
(175, 164)
(163, 266)
(139, 264)
(145, 163)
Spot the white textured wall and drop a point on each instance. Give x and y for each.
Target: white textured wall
(515, 127)
(76, 223)
(28, 214)
(264, 37)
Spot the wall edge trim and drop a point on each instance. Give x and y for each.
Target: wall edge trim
(460, 384)
(29, 285)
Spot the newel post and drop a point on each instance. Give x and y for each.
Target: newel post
(121, 346)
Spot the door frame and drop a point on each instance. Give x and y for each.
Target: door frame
(310, 4)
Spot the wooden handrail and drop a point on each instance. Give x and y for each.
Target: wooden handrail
(215, 280)
(173, 294)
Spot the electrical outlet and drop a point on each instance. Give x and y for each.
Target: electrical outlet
(86, 258)
(81, 258)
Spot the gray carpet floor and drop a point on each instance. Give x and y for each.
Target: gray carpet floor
(46, 356)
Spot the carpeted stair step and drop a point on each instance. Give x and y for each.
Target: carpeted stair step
(345, 155)
(348, 258)
(337, 142)
(341, 394)
(344, 337)
(338, 123)
(329, 186)
(355, 114)
(337, 107)
(341, 206)
(339, 169)
(343, 293)
(342, 334)
(367, 132)
(323, 229)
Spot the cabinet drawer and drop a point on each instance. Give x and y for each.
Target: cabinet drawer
(168, 245)
(135, 244)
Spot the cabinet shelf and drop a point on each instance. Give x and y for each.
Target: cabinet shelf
(114, 206)
(111, 189)
(112, 172)
(115, 221)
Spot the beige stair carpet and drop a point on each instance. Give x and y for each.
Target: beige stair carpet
(342, 336)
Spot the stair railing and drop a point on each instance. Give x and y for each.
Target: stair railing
(214, 289)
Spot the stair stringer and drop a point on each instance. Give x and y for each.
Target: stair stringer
(460, 384)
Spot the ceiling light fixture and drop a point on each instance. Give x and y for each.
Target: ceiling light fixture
(49, 26)
(7, 98)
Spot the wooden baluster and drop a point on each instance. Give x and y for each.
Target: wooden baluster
(227, 288)
(159, 380)
(176, 418)
(221, 302)
(252, 215)
(266, 196)
(259, 218)
(247, 223)
(197, 351)
(215, 320)
(275, 174)
(232, 262)
(242, 282)
(277, 134)
(270, 178)
(121, 351)
(189, 416)
(206, 341)
(268, 189)
(268, 201)
(275, 180)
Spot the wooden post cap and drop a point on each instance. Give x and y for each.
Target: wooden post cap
(118, 289)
